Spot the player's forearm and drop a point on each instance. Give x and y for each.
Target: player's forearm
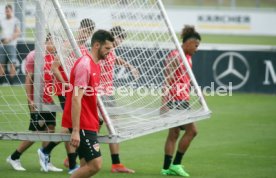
(16, 34)
(57, 74)
(120, 61)
(28, 87)
(76, 110)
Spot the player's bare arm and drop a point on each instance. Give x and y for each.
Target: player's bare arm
(120, 61)
(56, 64)
(76, 110)
(171, 67)
(28, 87)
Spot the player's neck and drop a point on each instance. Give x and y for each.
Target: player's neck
(9, 17)
(94, 56)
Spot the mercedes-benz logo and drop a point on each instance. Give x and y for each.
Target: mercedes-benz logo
(231, 67)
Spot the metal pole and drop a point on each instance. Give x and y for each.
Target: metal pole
(39, 56)
(188, 68)
(77, 51)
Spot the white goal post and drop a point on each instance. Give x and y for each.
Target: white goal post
(136, 101)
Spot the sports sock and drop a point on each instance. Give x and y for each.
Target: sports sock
(16, 155)
(72, 160)
(49, 147)
(115, 159)
(178, 158)
(2, 79)
(49, 160)
(10, 80)
(167, 161)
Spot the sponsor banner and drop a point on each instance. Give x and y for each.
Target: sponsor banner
(208, 21)
(246, 70)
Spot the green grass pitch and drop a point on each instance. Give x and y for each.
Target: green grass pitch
(239, 141)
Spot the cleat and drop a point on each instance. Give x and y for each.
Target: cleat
(167, 172)
(16, 164)
(43, 160)
(66, 162)
(178, 170)
(71, 171)
(120, 168)
(52, 168)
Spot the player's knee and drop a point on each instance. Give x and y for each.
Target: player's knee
(173, 134)
(95, 168)
(192, 132)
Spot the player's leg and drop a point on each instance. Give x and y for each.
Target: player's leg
(186, 139)
(11, 53)
(183, 145)
(169, 148)
(14, 158)
(89, 154)
(70, 162)
(35, 125)
(45, 152)
(88, 168)
(2, 64)
(114, 148)
(117, 166)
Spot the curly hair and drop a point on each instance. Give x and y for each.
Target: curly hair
(189, 32)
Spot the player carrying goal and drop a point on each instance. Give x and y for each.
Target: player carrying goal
(178, 98)
(40, 121)
(107, 71)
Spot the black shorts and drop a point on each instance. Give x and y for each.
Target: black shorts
(179, 105)
(89, 148)
(40, 121)
(62, 101)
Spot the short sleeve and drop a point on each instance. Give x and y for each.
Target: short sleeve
(82, 72)
(29, 66)
(17, 23)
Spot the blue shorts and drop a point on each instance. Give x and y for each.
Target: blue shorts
(7, 54)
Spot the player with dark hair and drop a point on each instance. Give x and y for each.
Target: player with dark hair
(80, 114)
(84, 32)
(176, 78)
(10, 28)
(107, 67)
(40, 121)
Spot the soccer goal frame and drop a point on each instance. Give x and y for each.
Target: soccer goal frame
(114, 135)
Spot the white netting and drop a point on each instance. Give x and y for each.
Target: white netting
(136, 103)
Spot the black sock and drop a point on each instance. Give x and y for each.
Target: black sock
(16, 155)
(115, 159)
(178, 158)
(2, 79)
(167, 161)
(49, 160)
(72, 160)
(49, 147)
(10, 80)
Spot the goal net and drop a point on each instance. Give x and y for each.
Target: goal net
(134, 96)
